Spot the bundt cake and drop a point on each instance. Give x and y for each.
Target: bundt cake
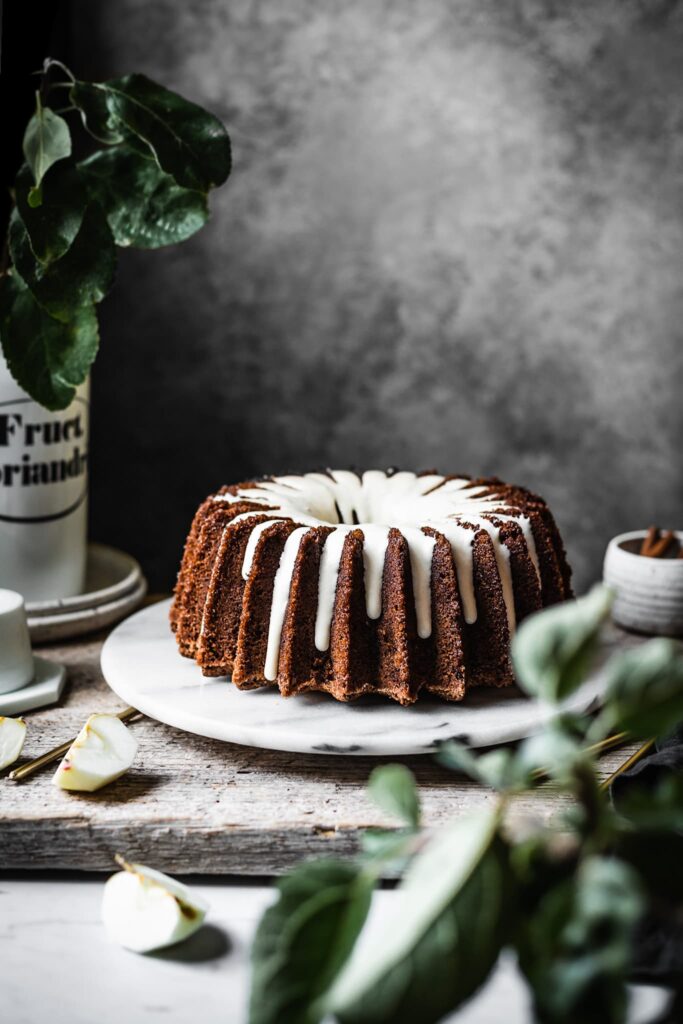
(386, 582)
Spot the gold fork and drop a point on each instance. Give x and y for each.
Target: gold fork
(635, 757)
(23, 772)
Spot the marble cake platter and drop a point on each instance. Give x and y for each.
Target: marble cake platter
(142, 666)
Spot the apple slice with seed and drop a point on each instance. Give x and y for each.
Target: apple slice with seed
(144, 910)
(103, 750)
(12, 736)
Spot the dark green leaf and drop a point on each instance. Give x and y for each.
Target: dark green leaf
(540, 862)
(575, 947)
(46, 140)
(644, 690)
(53, 226)
(304, 939)
(189, 143)
(144, 206)
(133, 141)
(451, 917)
(47, 358)
(496, 769)
(81, 277)
(652, 807)
(657, 856)
(553, 649)
(98, 120)
(393, 789)
(553, 753)
(393, 848)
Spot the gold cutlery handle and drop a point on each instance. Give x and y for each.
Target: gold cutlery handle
(633, 759)
(23, 772)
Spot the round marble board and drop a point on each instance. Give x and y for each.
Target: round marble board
(141, 663)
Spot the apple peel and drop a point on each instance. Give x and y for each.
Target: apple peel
(103, 750)
(12, 736)
(144, 910)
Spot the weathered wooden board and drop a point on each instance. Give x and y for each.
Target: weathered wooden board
(198, 805)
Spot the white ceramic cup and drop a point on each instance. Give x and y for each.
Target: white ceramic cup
(16, 658)
(649, 591)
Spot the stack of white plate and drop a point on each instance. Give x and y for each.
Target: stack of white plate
(114, 587)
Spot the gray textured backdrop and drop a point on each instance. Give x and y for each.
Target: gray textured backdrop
(453, 237)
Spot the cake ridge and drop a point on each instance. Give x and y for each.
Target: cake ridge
(421, 508)
(356, 498)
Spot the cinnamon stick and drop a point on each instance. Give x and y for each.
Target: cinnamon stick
(657, 543)
(649, 541)
(662, 545)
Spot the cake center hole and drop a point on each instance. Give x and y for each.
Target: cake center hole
(340, 520)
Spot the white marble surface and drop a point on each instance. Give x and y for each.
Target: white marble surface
(58, 965)
(141, 663)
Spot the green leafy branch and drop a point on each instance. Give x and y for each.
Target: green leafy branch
(566, 900)
(154, 157)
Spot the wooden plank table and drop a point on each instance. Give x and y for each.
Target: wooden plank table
(198, 805)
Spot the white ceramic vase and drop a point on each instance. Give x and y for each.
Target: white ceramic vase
(43, 493)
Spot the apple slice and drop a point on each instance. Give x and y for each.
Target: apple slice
(103, 750)
(12, 736)
(143, 909)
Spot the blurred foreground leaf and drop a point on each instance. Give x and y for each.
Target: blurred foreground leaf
(575, 945)
(644, 690)
(553, 649)
(393, 789)
(304, 939)
(450, 917)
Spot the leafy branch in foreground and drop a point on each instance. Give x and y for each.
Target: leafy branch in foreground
(565, 899)
(153, 158)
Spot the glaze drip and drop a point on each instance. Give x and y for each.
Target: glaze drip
(373, 504)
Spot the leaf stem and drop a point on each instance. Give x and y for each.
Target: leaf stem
(50, 62)
(59, 85)
(592, 801)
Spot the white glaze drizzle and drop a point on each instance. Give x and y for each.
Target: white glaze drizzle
(375, 541)
(373, 504)
(254, 538)
(421, 547)
(525, 523)
(327, 585)
(461, 541)
(283, 579)
(504, 571)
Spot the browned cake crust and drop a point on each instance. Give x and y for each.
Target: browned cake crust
(222, 620)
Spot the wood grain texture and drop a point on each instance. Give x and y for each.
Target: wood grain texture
(196, 805)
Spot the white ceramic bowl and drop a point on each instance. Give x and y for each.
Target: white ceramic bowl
(649, 591)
